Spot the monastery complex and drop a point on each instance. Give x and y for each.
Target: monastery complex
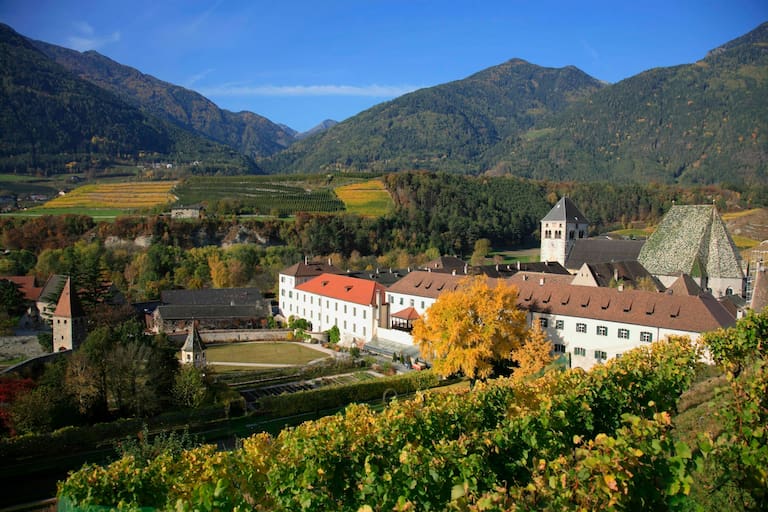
(594, 297)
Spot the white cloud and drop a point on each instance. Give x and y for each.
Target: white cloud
(87, 39)
(83, 27)
(199, 76)
(590, 50)
(375, 90)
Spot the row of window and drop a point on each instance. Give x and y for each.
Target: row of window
(601, 330)
(581, 351)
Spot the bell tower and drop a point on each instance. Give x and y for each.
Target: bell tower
(563, 225)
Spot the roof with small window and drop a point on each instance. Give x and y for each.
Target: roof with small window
(565, 211)
(694, 314)
(344, 288)
(427, 284)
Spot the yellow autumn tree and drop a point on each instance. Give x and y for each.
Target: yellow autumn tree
(470, 328)
(534, 354)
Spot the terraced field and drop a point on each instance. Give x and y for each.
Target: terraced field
(127, 196)
(258, 195)
(369, 198)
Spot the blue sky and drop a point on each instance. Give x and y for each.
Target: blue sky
(300, 62)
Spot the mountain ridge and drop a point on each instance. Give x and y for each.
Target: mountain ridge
(249, 133)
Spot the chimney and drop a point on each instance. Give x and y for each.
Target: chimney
(329, 261)
(615, 274)
(497, 267)
(518, 265)
(453, 272)
(541, 282)
(465, 268)
(525, 277)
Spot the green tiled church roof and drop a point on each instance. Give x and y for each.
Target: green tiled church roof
(694, 240)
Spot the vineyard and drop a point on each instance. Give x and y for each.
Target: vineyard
(257, 195)
(572, 440)
(127, 196)
(369, 198)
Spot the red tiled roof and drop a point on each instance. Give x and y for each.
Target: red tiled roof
(676, 312)
(26, 286)
(341, 287)
(426, 284)
(408, 313)
(313, 268)
(68, 305)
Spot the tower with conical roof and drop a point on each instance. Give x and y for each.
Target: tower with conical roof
(68, 320)
(560, 228)
(193, 350)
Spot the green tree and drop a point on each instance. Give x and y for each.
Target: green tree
(189, 387)
(471, 329)
(12, 301)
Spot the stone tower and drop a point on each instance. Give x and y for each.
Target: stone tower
(559, 229)
(68, 320)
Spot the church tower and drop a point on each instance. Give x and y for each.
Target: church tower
(68, 320)
(559, 229)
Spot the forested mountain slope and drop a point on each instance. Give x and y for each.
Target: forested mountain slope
(50, 118)
(446, 127)
(249, 133)
(697, 123)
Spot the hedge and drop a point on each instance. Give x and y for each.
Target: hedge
(331, 397)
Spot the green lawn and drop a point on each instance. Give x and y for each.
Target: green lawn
(288, 353)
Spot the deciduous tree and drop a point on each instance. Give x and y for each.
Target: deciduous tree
(534, 354)
(470, 328)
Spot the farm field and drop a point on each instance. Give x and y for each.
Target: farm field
(266, 195)
(272, 353)
(126, 195)
(369, 198)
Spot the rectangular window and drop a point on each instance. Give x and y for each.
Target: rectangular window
(290, 294)
(412, 302)
(345, 324)
(624, 334)
(602, 330)
(543, 322)
(581, 327)
(559, 324)
(345, 308)
(422, 304)
(282, 279)
(354, 311)
(600, 355)
(312, 300)
(559, 348)
(579, 351)
(401, 301)
(364, 314)
(363, 330)
(282, 292)
(646, 336)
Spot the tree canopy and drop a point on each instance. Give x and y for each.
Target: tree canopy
(470, 328)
